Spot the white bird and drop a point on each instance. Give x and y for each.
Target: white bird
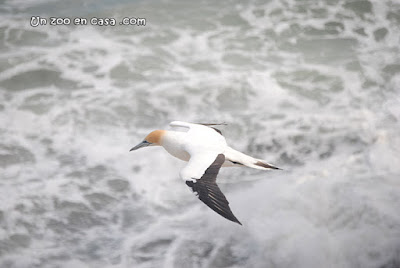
(206, 151)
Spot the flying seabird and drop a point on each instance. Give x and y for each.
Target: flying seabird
(206, 151)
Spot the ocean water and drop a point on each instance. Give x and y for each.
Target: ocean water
(310, 86)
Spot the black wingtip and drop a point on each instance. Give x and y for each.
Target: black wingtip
(265, 165)
(230, 217)
(238, 222)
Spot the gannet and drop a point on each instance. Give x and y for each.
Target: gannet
(206, 151)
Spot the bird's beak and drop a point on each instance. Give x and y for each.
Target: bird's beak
(140, 145)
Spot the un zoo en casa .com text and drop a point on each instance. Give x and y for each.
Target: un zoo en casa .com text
(40, 21)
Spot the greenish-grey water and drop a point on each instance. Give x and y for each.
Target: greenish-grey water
(311, 86)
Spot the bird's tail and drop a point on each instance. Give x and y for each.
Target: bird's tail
(235, 158)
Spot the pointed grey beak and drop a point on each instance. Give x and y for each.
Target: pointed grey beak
(140, 145)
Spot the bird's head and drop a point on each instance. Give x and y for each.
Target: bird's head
(154, 138)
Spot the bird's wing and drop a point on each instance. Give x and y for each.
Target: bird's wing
(180, 124)
(214, 124)
(191, 125)
(203, 183)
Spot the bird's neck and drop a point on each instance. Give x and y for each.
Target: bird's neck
(174, 143)
(173, 138)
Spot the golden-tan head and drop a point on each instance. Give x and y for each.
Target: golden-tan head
(154, 138)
